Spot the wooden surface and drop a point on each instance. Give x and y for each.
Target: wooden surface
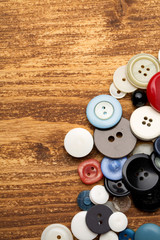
(54, 57)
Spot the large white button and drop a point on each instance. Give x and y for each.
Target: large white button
(79, 227)
(99, 195)
(118, 221)
(56, 232)
(109, 236)
(115, 92)
(121, 82)
(145, 123)
(78, 142)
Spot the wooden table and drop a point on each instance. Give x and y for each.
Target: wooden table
(55, 56)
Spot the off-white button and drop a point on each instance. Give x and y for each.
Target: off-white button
(109, 236)
(78, 142)
(56, 232)
(79, 227)
(118, 221)
(146, 148)
(121, 82)
(145, 123)
(115, 92)
(99, 195)
(101, 112)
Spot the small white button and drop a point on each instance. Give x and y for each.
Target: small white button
(115, 92)
(109, 236)
(99, 195)
(121, 82)
(146, 148)
(78, 142)
(145, 123)
(56, 232)
(118, 221)
(79, 227)
(104, 110)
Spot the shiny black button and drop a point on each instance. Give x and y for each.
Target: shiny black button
(139, 98)
(116, 188)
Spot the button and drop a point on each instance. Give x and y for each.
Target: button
(139, 174)
(147, 231)
(156, 161)
(159, 55)
(116, 142)
(90, 171)
(153, 91)
(157, 146)
(141, 68)
(109, 236)
(118, 221)
(112, 169)
(99, 195)
(79, 227)
(121, 82)
(115, 92)
(144, 123)
(139, 98)
(84, 201)
(78, 142)
(55, 232)
(116, 188)
(122, 204)
(127, 234)
(146, 148)
(97, 219)
(110, 205)
(104, 111)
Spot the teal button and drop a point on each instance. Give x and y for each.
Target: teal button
(148, 231)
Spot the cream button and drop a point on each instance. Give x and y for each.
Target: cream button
(118, 221)
(99, 195)
(56, 232)
(115, 92)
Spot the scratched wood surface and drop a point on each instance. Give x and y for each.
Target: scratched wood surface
(54, 57)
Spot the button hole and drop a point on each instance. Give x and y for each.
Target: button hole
(146, 174)
(111, 139)
(141, 178)
(150, 120)
(145, 74)
(125, 235)
(148, 69)
(141, 169)
(99, 215)
(92, 168)
(58, 237)
(123, 79)
(119, 184)
(139, 71)
(119, 134)
(100, 222)
(142, 66)
(143, 122)
(104, 113)
(145, 118)
(118, 91)
(88, 174)
(148, 124)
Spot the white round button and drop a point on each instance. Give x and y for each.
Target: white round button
(100, 110)
(144, 123)
(78, 142)
(121, 82)
(79, 227)
(118, 221)
(115, 92)
(146, 148)
(109, 236)
(56, 232)
(99, 195)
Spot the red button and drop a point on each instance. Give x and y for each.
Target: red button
(153, 91)
(90, 171)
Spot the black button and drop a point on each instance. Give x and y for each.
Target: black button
(139, 98)
(139, 174)
(97, 219)
(116, 188)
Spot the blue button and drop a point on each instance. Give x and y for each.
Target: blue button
(112, 168)
(127, 234)
(84, 201)
(148, 231)
(157, 146)
(104, 111)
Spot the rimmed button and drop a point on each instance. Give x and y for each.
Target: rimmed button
(109, 236)
(156, 161)
(153, 91)
(147, 231)
(56, 232)
(84, 201)
(118, 221)
(115, 92)
(104, 111)
(97, 219)
(99, 195)
(127, 234)
(90, 171)
(116, 188)
(141, 68)
(122, 204)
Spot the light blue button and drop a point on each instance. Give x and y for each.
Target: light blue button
(127, 234)
(112, 168)
(104, 111)
(148, 231)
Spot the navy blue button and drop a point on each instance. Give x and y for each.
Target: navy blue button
(84, 201)
(147, 231)
(104, 111)
(127, 234)
(156, 146)
(116, 188)
(112, 168)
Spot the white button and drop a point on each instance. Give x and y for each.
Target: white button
(101, 112)
(79, 227)
(159, 55)
(99, 195)
(121, 82)
(145, 123)
(78, 142)
(115, 92)
(118, 221)
(146, 148)
(56, 232)
(109, 236)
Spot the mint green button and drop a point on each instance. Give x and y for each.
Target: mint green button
(141, 68)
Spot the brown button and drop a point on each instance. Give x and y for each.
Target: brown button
(116, 142)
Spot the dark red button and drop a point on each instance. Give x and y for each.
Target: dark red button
(90, 171)
(153, 91)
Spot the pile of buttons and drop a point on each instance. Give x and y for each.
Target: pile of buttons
(126, 168)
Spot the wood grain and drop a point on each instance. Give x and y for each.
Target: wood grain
(54, 57)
